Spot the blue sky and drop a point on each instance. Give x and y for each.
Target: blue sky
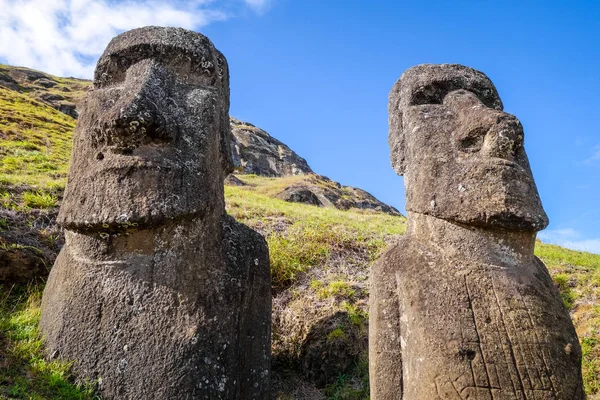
(316, 75)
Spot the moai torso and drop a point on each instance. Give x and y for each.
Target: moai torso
(157, 293)
(460, 307)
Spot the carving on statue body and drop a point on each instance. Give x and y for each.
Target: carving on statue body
(460, 307)
(157, 293)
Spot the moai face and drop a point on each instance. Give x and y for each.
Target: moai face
(152, 140)
(462, 156)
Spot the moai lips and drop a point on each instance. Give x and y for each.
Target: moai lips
(460, 307)
(157, 293)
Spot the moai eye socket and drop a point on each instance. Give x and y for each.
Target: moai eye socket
(430, 94)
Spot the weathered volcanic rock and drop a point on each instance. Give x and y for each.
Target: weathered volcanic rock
(157, 293)
(301, 194)
(460, 307)
(318, 190)
(256, 152)
(233, 180)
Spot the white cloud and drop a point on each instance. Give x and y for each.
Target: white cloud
(258, 5)
(570, 239)
(65, 37)
(595, 157)
(589, 245)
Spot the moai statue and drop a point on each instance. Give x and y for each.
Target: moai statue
(157, 293)
(460, 307)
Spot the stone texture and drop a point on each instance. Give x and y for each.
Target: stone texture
(256, 152)
(460, 307)
(157, 293)
(233, 180)
(300, 194)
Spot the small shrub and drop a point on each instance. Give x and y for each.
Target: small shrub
(39, 200)
(563, 282)
(335, 334)
(5, 200)
(356, 316)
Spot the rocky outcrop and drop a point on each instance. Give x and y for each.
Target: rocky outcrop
(300, 194)
(158, 293)
(460, 307)
(254, 151)
(318, 190)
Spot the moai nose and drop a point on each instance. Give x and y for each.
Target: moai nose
(139, 118)
(504, 138)
(484, 130)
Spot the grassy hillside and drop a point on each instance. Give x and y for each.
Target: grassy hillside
(34, 141)
(320, 259)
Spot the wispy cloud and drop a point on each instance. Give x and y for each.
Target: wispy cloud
(570, 239)
(65, 37)
(595, 157)
(258, 5)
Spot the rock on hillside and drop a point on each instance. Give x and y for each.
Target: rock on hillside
(256, 152)
(318, 190)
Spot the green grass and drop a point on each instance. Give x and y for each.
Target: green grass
(335, 288)
(577, 275)
(29, 200)
(35, 142)
(301, 237)
(24, 372)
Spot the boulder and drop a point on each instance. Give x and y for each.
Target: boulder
(254, 151)
(300, 194)
(233, 180)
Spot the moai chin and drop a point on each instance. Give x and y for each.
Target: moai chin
(157, 293)
(460, 307)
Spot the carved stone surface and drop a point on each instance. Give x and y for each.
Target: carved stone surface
(157, 293)
(460, 307)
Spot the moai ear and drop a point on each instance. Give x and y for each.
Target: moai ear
(225, 131)
(396, 134)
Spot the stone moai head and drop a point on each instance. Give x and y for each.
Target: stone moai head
(152, 140)
(461, 155)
